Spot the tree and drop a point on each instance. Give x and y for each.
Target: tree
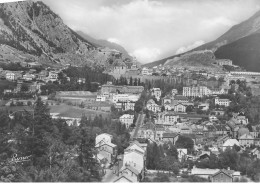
(86, 156)
(162, 109)
(131, 81)
(5, 146)
(189, 109)
(24, 87)
(229, 159)
(29, 103)
(185, 142)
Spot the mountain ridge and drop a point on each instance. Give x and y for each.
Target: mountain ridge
(246, 28)
(31, 27)
(104, 43)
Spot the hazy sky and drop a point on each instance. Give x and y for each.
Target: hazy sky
(154, 29)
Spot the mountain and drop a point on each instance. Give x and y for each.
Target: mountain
(197, 60)
(33, 32)
(246, 30)
(244, 52)
(104, 43)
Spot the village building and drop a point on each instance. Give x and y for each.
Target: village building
(107, 89)
(180, 99)
(166, 119)
(147, 131)
(182, 154)
(146, 71)
(127, 119)
(222, 62)
(255, 153)
(100, 98)
(222, 102)
(53, 76)
(13, 76)
(248, 140)
(195, 91)
(152, 106)
(203, 106)
(119, 67)
(230, 143)
(172, 137)
(125, 98)
(80, 96)
(216, 175)
(240, 117)
(159, 130)
(107, 151)
(156, 92)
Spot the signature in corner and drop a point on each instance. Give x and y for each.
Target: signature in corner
(17, 159)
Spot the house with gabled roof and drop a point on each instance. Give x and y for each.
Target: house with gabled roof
(166, 119)
(173, 137)
(221, 140)
(147, 131)
(216, 175)
(179, 107)
(224, 176)
(167, 100)
(134, 157)
(159, 130)
(152, 106)
(106, 150)
(240, 117)
(135, 145)
(246, 140)
(230, 143)
(256, 153)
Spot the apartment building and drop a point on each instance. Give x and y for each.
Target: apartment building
(166, 119)
(197, 91)
(222, 102)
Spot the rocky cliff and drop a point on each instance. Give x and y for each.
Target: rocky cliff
(34, 32)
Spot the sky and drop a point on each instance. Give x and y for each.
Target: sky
(154, 29)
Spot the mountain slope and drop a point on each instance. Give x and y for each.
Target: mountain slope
(104, 43)
(32, 28)
(245, 28)
(197, 60)
(244, 52)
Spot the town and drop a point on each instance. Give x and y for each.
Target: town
(136, 91)
(157, 124)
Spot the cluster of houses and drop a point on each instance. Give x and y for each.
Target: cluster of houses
(31, 78)
(172, 121)
(128, 167)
